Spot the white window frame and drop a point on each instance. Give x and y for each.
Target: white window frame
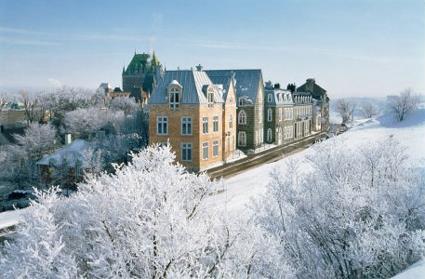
(269, 135)
(173, 94)
(184, 151)
(242, 138)
(216, 123)
(216, 147)
(205, 145)
(186, 121)
(205, 127)
(163, 121)
(242, 117)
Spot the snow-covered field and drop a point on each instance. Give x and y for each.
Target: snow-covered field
(240, 189)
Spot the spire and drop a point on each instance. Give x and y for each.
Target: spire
(154, 60)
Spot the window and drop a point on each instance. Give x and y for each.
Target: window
(215, 148)
(280, 114)
(242, 138)
(269, 98)
(230, 121)
(241, 102)
(186, 126)
(210, 98)
(174, 97)
(269, 115)
(269, 135)
(162, 125)
(186, 151)
(205, 125)
(242, 117)
(205, 151)
(215, 124)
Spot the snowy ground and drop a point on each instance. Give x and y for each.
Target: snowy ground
(416, 271)
(240, 189)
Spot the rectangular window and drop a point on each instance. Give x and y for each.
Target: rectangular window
(186, 126)
(186, 152)
(215, 124)
(205, 125)
(280, 114)
(215, 148)
(162, 125)
(205, 151)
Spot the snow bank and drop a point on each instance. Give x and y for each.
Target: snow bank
(10, 218)
(416, 271)
(241, 188)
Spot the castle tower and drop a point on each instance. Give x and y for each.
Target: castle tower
(139, 78)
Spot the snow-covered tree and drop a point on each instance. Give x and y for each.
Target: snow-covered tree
(31, 107)
(147, 220)
(369, 110)
(125, 104)
(86, 121)
(345, 110)
(402, 105)
(19, 160)
(347, 212)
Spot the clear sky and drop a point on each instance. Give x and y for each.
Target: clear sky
(351, 47)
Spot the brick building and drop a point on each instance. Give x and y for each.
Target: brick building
(196, 116)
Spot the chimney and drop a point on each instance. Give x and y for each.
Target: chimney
(199, 67)
(277, 86)
(269, 84)
(68, 139)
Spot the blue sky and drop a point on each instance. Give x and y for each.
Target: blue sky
(352, 48)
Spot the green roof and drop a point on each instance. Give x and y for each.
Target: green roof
(142, 63)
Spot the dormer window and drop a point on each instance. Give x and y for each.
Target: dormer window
(174, 97)
(174, 94)
(210, 97)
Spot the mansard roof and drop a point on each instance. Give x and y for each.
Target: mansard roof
(280, 96)
(247, 81)
(194, 84)
(302, 97)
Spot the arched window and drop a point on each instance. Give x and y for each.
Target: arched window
(230, 121)
(269, 115)
(242, 117)
(269, 135)
(241, 138)
(241, 102)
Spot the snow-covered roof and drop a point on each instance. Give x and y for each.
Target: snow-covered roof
(71, 154)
